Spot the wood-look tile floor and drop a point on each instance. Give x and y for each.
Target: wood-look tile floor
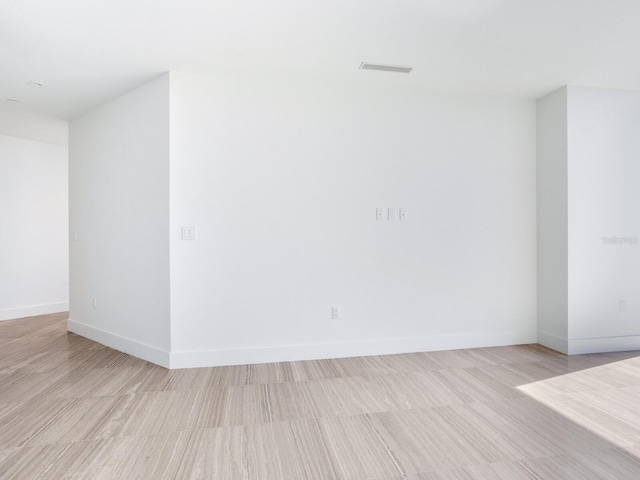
(71, 408)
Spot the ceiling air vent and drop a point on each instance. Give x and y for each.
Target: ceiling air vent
(384, 68)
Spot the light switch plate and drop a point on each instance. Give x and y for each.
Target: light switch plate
(391, 216)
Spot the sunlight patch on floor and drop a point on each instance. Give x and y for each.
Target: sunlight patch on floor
(604, 400)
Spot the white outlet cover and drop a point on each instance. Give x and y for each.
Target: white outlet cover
(189, 233)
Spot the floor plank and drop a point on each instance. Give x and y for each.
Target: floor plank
(73, 409)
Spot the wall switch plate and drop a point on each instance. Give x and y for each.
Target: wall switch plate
(189, 233)
(622, 306)
(391, 214)
(94, 302)
(335, 312)
(402, 215)
(379, 214)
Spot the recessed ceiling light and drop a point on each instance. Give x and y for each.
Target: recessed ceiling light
(12, 100)
(385, 68)
(33, 83)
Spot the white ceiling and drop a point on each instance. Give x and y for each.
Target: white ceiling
(86, 51)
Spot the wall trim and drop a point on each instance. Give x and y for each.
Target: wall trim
(580, 346)
(624, 343)
(122, 344)
(288, 353)
(553, 342)
(33, 310)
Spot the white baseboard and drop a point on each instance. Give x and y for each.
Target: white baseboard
(287, 353)
(579, 346)
(553, 342)
(123, 344)
(33, 310)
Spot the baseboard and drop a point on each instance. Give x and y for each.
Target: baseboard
(579, 346)
(287, 353)
(553, 342)
(34, 310)
(123, 344)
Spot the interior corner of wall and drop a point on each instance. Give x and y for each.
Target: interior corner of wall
(553, 342)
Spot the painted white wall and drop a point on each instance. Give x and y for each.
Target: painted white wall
(119, 209)
(282, 180)
(33, 228)
(18, 121)
(552, 225)
(604, 196)
(588, 177)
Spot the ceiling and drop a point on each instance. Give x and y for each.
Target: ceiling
(87, 51)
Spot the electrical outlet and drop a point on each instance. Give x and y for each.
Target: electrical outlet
(189, 233)
(335, 312)
(402, 216)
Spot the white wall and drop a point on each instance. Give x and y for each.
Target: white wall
(588, 222)
(552, 224)
(17, 121)
(119, 199)
(33, 228)
(282, 180)
(604, 201)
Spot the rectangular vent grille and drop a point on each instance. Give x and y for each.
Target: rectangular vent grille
(384, 68)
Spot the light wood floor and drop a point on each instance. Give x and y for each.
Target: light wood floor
(71, 408)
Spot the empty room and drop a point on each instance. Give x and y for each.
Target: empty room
(337, 240)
